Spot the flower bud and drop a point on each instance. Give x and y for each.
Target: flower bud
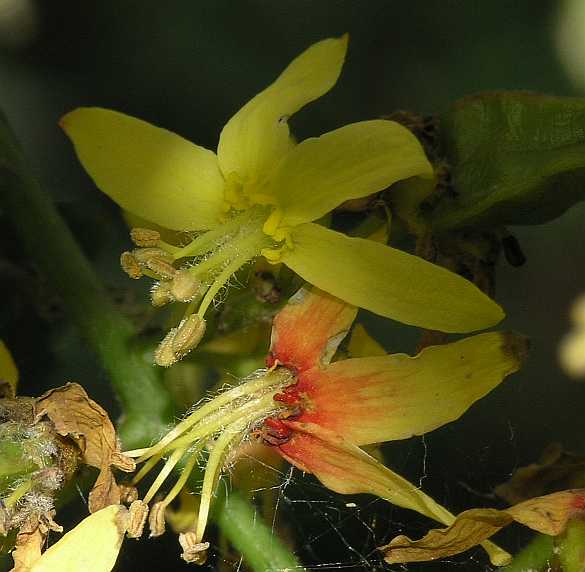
(156, 519)
(144, 237)
(137, 518)
(188, 335)
(130, 265)
(184, 286)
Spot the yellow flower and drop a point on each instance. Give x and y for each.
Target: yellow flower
(260, 194)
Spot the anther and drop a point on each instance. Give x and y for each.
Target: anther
(162, 268)
(184, 286)
(156, 519)
(143, 255)
(130, 265)
(128, 493)
(193, 551)
(160, 294)
(188, 335)
(164, 354)
(137, 518)
(145, 237)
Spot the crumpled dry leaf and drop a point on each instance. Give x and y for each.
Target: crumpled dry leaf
(556, 470)
(80, 418)
(30, 540)
(548, 515)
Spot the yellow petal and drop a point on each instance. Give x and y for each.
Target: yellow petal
(362, 344)
(547, 514)
(351, 162)
(147, 170)
(389, 282)
(92, 546)
(377, 399)
(257, 136)
(8, 370)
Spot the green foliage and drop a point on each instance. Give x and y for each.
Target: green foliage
(516, 158)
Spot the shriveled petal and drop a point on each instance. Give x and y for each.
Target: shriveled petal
(351, 162)
(92, 546)
(347, 469)
(257, 136)
(389, 282)
(377, 399)
(147, 170)
(308, 330)
(548, 515)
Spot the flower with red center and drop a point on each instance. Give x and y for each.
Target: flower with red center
(317, 412)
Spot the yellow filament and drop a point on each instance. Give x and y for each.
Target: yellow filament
(166, 471)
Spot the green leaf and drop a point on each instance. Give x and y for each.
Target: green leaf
(517, 158)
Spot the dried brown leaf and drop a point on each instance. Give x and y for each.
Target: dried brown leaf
(548, 514)
(30, 540)
(556, 470)
(78, 417)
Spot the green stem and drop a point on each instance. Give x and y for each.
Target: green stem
(262, 549)
(145, 402)
(571, 547)
(536, 555)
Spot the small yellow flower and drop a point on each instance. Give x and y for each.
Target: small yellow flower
(259, 196)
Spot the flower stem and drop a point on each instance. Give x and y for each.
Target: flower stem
(43, 232)
(536, 555)
(262, 549)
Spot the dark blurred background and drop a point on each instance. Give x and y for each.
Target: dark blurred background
(188, 65)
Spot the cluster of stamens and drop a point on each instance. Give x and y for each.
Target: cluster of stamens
(213, 431)
(194, 274)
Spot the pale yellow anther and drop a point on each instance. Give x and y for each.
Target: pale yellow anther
(164, 354)
(184, 286)
(143, 255)
(188, 335)
(156, 519)
(193, 551)
(160, 294)
(137, 519)
(272, 255)
(144, 237)
(130, 265)
(272, 222)
(161, 268)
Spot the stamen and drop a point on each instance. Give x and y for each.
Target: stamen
(273, 380)
(145, 237)
(138, 513)
(130, 265)
(184, 286)
(160, 294)
(165, 472)
(161, 268)
(193, 552)
(188, 335)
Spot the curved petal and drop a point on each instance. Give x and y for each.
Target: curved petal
(147, 170)
(93, 545)
(377, 399)
(308, 330)
(348, 163)
(257, 136)
(347, 469)
(389, 282)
